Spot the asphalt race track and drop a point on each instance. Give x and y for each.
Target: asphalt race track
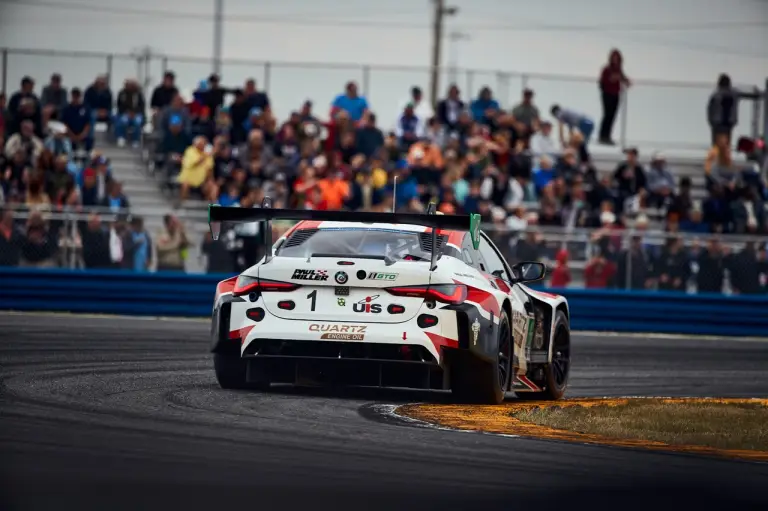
(107, 413)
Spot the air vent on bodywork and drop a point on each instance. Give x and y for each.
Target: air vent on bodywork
(299, 237)
(425, 239)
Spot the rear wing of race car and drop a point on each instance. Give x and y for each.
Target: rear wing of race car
(218, 214)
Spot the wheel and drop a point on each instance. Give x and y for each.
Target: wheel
(231, 373)
(557, 371)
(482, 382)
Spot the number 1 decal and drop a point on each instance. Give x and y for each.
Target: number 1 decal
(313, 298)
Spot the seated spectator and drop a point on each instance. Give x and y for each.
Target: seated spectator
(661, 182)
(203, 125)
(171, 245)
(526, 116)
(25, 105)
(163, 94)
(449, 110)
(53, 99)
(130, 113)
(694, 222)
(568, 168)
(369, 138)
(197, 171)
(175, 142)
(682, 202)
(543, 143)
(485, 109)
(98, 98)
(60, 179)
(352, 103)
(95, 241)
(426, 161)
(214, 94)
(177, 111)
(421, 107)
(116, 200)
(408, 128)
(57, 142)
(26, 142)
(15, 174)
(544, 174)
(78, 119)
(574, 121)
(90, 194)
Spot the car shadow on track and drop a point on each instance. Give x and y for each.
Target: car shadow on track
(366, 394)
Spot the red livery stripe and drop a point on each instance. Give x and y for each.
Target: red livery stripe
(439, 341)
(225, 286)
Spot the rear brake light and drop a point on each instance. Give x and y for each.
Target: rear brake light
(246, 285)
(453, 294)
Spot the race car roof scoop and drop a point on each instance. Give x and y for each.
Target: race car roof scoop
(434, 220)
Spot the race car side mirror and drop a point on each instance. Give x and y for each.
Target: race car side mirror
(528, 271)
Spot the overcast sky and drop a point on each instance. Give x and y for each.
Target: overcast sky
(661, 39)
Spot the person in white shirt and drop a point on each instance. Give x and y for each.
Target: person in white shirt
(421, 107)
(544, 144)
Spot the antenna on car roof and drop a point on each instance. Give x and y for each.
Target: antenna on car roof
(394, 196)
(266, 226)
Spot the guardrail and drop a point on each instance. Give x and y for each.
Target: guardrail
(181, 295)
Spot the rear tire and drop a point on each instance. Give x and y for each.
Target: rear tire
(482, 382)
(231, 373)
(557, 371)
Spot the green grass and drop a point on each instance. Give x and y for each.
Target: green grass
(718, 425)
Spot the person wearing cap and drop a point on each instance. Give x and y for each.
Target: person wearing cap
(25, 141)
(78, 119)
(526, 116)
(54, 98)
(58, 142)
(661, 182)
(98, 97)
(351, 102)
(164, 93)
(130, 113)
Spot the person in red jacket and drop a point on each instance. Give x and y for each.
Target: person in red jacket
(612, 79)
(599, 273)
(561, 275)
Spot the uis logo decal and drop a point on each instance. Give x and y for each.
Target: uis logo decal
(367, 306)
(339, 332)
(376, 275)
(341, 277)
(310, 275)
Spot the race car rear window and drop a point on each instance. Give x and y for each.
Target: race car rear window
(392, 243)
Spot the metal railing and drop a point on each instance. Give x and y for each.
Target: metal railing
(653, 112)
(644, 268)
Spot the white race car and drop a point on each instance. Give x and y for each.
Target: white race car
(387, 299)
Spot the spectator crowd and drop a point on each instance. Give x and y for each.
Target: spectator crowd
(523, 171)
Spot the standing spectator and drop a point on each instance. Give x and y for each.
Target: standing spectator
(163, 94)
(115, 200)
(352, 103)
(171, 245)
(130, 113)
(213, 94)
(137, 247)
(485, 109)
(256, 98)
(39, 246)
(89, 188)
(673, 268)
(723, 108)
(239, 111)
(561, 275)
(98, 97)
(612, 80)
(421, 108)
(95, 240)
(449, 110)
(25, 105)
(526, 116)
(711, 263)
(10, 239)
(78, 119)
(634, 266)
(599, 272)
(629, 178)
(218, 258)
(744, 270)
(574, 121)
(409, 128)
(53, 99)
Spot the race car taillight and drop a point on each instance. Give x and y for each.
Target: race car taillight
(246, 285)
(453, 294)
